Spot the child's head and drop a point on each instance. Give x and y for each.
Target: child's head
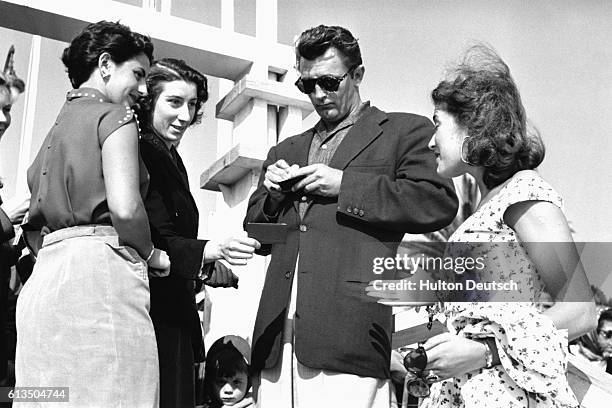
(232, 380)
(227, 378)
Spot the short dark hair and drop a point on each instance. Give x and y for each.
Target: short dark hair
(606, 315)
(483, 99)
(81, 56)
(228, 363)
(223, 361)
(315, 41)
(168, 70)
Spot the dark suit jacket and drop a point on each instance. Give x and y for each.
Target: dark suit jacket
(173, 217)
(389, 187)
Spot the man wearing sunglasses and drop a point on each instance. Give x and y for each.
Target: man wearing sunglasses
(348, 189)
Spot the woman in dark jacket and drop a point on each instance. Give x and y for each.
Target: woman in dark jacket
(175, 94)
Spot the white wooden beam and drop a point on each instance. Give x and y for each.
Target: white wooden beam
(212, 50)
(166, 7)
(29, 116)
(266, 17)
(227, 15)
(228, 169)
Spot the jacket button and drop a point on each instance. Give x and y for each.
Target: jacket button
(349, 210)
(287, 275)
(303, 228)
(361, 213)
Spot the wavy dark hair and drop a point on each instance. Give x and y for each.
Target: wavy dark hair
(483, 98)
(315, 41)
(81, 56)
(168, 70)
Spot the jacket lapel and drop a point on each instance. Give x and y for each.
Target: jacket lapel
(166, 158)
(182, 171)
(298, 154)
(363, 132)
(300, 147)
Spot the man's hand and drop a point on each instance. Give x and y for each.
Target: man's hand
(222, 277)
(276, 173)
(320, 180)
(236, 251)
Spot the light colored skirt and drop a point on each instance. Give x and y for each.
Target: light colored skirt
(83, 322)
(292, 384)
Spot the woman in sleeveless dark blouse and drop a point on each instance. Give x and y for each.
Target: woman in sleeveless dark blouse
(82, 317)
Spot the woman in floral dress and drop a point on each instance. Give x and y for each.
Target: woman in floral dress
(502, 351)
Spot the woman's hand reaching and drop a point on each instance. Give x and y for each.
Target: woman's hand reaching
(234, 250)
(449, 355)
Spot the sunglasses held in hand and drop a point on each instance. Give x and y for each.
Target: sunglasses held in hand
(328, 83)
(415, 361)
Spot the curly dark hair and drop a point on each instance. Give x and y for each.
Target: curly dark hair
(483, 99)
(315, 41)
(81, 56)
(168, 70)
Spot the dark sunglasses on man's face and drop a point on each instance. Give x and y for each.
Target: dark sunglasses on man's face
(607, 334)
(328, 83)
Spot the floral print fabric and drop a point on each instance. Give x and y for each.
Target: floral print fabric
(532, 351)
